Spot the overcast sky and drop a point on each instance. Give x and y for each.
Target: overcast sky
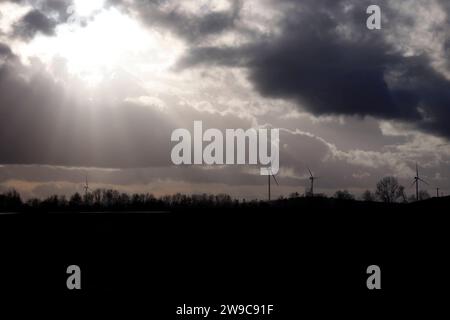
(95, 87)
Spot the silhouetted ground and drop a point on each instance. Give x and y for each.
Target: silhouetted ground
(300, 254)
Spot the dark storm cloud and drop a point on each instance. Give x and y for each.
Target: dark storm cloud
(192, 27)
(32, 23)
(61, 7)
(48, 6)
(43, 18)
(327, 61)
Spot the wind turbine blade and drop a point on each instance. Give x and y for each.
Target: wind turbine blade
(417, 170)
(271, 173)
(275, 180)
(310, 172)
(424, 181)
(412, 183)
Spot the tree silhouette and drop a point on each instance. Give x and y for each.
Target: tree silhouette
(76, 201)
(344, 195)
(424, 195)
(368, 196)
(10, 200)
(294, 195)
(389, 190)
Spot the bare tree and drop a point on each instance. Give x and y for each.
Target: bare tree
(368, 196)
(76, 200)
(343, 195)
(389, 190)
(402, 195)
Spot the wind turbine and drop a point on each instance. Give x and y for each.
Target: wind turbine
(416, 181)
(437, 192)
(312, 178)
(86, 188)
(268, 180)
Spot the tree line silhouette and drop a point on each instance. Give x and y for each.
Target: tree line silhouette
(388, 190)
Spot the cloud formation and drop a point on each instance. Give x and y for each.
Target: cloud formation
(326, 61)
(192, 25)
(32, 23)
(42, 17)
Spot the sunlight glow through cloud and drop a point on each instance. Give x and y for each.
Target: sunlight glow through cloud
(109, 42)
(87, 7)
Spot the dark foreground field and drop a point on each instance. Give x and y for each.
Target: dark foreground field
(304, 256)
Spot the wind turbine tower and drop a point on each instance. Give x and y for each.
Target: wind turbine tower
(416, 181)
(311, 179)
(271, 175)
(86, 188)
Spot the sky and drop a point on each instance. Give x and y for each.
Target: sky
(95, 88)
